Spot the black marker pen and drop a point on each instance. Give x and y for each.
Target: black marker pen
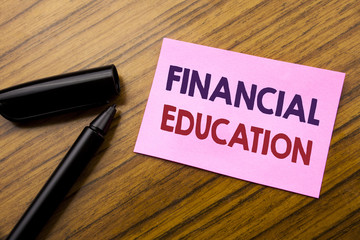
(63, 177)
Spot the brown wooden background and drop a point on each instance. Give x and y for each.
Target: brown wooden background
(123, 195)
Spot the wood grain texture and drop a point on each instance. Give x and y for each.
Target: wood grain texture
(123, 195)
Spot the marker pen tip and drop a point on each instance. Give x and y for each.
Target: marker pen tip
(103, 121)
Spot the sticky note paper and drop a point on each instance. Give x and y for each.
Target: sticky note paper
(252, 118)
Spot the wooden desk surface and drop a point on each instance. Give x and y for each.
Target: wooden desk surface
(123, 195)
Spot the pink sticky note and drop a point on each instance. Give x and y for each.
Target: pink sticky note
(256, 119)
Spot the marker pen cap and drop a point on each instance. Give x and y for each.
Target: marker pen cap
(59, 93)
